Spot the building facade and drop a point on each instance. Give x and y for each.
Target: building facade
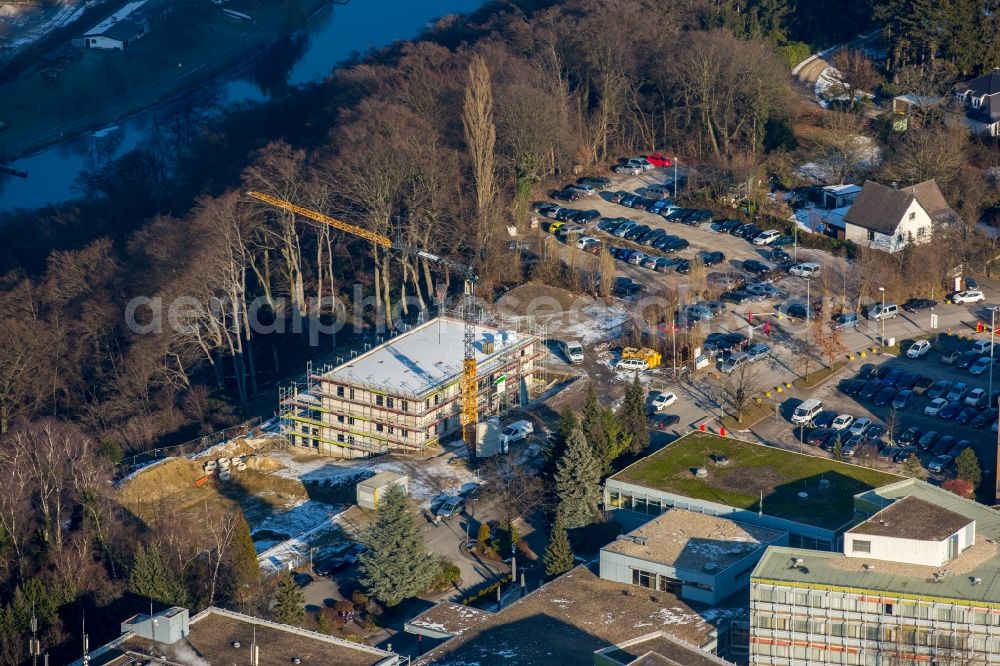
(918, 582)
(405, 395)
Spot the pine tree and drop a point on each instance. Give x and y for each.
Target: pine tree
(838, 449)
(558, 555)
(592, 423)
(396, 565)
(557, 444)
(242, 569)
(967, 467)
(483, 539)
(578, 478)
(633, 416)
(912, 467)
(151, 577)
(289, 602)
(618, 441)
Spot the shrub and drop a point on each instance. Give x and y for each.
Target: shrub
(795, 52)
(960, 487)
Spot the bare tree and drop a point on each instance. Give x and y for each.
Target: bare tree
(857, 70)
(480, 141)
(740, 389)
(513, 489)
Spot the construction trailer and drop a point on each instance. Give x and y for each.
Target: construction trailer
(404, 395)
(371, 490)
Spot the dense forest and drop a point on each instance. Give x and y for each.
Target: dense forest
(437, 142)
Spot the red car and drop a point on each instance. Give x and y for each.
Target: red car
(657, 159)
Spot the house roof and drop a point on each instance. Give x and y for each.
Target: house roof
(987, 84)
(881, 208)
(567, 620)
(913, 518)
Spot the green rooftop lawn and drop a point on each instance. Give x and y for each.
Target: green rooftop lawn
(753, 468)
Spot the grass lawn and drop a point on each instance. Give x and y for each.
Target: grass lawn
(192, 43)
(753, 468)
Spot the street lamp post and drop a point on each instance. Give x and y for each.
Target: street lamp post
(993, 328)
(881, 340)
(675, 179)
(808, 311)
(795, 245)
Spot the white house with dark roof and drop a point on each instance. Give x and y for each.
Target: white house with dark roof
(981, 96)
(119, 30)
(886, 218)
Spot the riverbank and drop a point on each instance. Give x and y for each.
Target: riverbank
(194, 44)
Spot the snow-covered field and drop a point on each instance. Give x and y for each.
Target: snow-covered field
(21, 26)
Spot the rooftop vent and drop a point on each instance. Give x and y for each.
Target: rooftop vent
(701, 473)
(824, 484)
(236, 644)
(868, 567)
(975, 580)
(795, 562)
(710, 566)
(803, 496)
(638, 540)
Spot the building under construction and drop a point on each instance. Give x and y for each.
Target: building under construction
(404, 395)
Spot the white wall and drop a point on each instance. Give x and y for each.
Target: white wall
(907, 230)
(910, 551)
(99, 42)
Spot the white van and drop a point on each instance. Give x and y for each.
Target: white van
(515, 432)
(637, 364)
(573, 350)
(982, 347)
(807, 411)
(659, 192)
(887, 311)
(807, 269)
(767, 237)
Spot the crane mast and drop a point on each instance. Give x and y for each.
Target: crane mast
(468, 385)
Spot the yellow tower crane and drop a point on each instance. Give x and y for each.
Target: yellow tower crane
(469, 388)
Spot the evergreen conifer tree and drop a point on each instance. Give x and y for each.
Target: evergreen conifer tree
(396, 565)
(151, 577)
(967, 467)
(633, 416)
(578, 476)
(289, 602)
(242, 569)
(558, 555)
(912, 467)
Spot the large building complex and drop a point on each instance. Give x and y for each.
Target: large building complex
(809, 498)
(916, 582)
(404, 395)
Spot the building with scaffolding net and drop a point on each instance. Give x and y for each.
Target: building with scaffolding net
(404, 395)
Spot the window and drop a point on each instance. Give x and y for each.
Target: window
(913, 215)
(340, 437)
(642, 578)
(340, 391)
(389, 402)
(379, 427)
(404, 405)
(392, 430)
(887, 609)
(340, 418)
(921, 232)
(379, 400)
(404, 432)
(859, 546)
(351, 393)
(350, 420)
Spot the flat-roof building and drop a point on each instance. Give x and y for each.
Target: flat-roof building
(217, 636)
(570, 620)
(699, 558)
(917, 582)
(810, 498)
(404, 394)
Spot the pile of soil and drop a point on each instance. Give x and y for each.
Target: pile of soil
(171, 476)
(518, 300)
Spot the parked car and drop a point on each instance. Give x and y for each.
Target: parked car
(922, 385)
(867, 371)
(951, 410)
(938, 463)
(630, 169)
(842, 422)
(909, 436)
(735, 297)
(917, 304)
(597, 182)
(939, 389)
(968, 296)
(871, 389)
(907, 381)
(927, 440)
(966, 360)
(973, 397)
(860, 426)
(904, 453)
(586, 190)
(824, 419)
(710, 258)
(663, 421)
(807, 269)
(919, 349)
(450, 507)
(885, 396)
(758, 351)
(957, 392)
(966, 415)
(982, 364)
(657, 159)
(935, 406)
(766, 237)
(988, 415)
(756, 267)
(845, 321)
(852, 386)
(950, 357)
(943, 445)
(781, 257)
(663, 400)
(902, 399)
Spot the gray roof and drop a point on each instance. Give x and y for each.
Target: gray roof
(987, 84)
(954, 582)
(913, 518)
(881, 208)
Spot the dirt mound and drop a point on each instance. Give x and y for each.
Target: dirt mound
(536, 298)
(168, 477)
(236, 447)
(262, 463)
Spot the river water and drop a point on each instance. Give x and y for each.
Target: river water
(334, 34)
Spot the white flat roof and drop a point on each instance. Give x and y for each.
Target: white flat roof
(420, 359)
(847, 188)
